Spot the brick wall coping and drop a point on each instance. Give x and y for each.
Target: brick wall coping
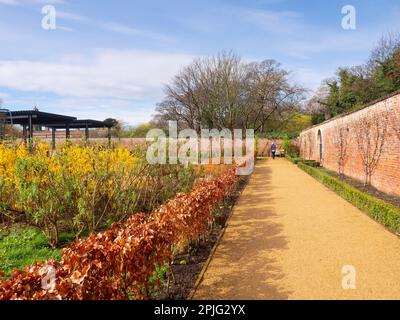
(370, 104)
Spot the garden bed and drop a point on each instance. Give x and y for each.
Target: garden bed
(186, 268)
(129, 260)
(395, 200)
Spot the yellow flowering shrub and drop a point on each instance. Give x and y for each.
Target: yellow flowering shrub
(82, 188)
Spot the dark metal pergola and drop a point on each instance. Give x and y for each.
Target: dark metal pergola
(30, 118)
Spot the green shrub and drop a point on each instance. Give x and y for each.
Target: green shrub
(385, 213)
(311, 163)
(290, 149)
(296, 160)
(291, 159)
(286, 143)
(293, 151)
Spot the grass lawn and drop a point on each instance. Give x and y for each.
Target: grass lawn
(21, 246)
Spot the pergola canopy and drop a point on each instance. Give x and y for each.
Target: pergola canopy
(38, 118)
(52, 120)
(28, 119)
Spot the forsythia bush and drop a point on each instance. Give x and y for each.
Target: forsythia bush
(117, 264)
(82, 189)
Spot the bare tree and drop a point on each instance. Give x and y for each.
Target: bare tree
(224, 92)
(205, 93)
(395, 122)
(386, 47)
(370, 133)
(270, 94)
(309, 144)
(306, 146)
(318, 102)
(340, 141)
(303, 146)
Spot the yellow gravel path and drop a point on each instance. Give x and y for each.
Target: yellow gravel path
(290, 237)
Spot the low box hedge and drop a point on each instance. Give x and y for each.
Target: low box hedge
(311, 163)
(293, 159)
(383, 212)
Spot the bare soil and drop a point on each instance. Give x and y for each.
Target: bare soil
(185, 275)
(395, 200)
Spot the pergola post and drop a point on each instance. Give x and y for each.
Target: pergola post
(87, 132)
(67, 132)
(53, 138)
(109, 136)
(24, 134)
(30, 128)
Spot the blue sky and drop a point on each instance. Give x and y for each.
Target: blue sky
(112, 58)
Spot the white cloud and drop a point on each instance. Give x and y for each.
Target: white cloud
(112, 26)
(129, 74)
(310, 78)
(276, 22)
(68, 29)
(9, 2)
(341, 41)
(19, 2)
(106, 26)
(298, 37)
(71, 16)
(129, 31)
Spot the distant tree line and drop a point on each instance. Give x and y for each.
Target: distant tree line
(356, 86)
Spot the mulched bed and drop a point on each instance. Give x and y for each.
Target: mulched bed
(395, 200)
(185, 275)
(186, 268)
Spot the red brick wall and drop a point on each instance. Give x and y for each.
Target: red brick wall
(386, 176)
(46, 134)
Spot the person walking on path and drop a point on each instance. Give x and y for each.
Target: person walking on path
(273, 150)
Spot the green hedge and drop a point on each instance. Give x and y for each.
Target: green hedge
(311, 163)
(385, 213)
(292, 159)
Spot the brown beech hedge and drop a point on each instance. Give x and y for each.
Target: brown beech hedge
(117, 263)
